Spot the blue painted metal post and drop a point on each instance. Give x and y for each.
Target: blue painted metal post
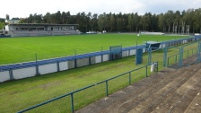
(198, 54)
(168, 61)
(58, 66)
(72, 103)
(146, 70)
(11, 74)
(149, 56)
(75, 60)
(157, 66)
(37, 69)
(165, 57)
(129, 78)
(102, 54)
(181, 49)
(106, 87)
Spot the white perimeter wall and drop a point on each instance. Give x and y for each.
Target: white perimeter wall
(48, 68)
(53, 67)
(132, 52)
(82, 62)
(105, 57)
(97, 59)
(24, 72)
(63, 66)
(4, 76)
(124, 53)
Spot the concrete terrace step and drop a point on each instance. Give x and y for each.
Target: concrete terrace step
(122, 95)
(179, 100)
(165, 92)
(195, 105)
(169, 91)
(133, 91)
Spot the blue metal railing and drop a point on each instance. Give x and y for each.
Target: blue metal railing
(177, 59)
(71, 94)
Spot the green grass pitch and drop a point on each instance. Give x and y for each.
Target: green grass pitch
(23, 49)
(20, 94)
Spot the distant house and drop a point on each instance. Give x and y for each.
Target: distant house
(40, 29)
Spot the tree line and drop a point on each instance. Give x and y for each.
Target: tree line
(177, 22)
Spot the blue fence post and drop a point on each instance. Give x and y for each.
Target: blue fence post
(198, 53)
(37, 68)
(168, 61)
(181, 49)
(11, 74)
(106, 89)
(129, 78)
(165, 57)
(72, 103)
(75, 58)
(58, 66)
(146, 70)
(149, 56)
(101, 54)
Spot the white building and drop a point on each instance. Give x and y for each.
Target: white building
(41, 29)
(13, 21)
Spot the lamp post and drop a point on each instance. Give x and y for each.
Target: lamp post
(137, 38)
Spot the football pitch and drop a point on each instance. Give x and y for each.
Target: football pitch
(24, 93)
(24, 49)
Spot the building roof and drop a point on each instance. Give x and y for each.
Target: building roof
(41, 24)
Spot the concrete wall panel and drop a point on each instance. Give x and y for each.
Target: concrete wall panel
(71, 64)
(124, 53)
(4, 76)
(105, 57)
(48, 68)
(24, 72)
(93, 60)
(63, 66)
(98, 59)
(82, 62)
(132, 52)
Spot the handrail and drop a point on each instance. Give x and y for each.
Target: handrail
(81, 89)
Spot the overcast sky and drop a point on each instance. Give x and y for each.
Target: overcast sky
(23, 8)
